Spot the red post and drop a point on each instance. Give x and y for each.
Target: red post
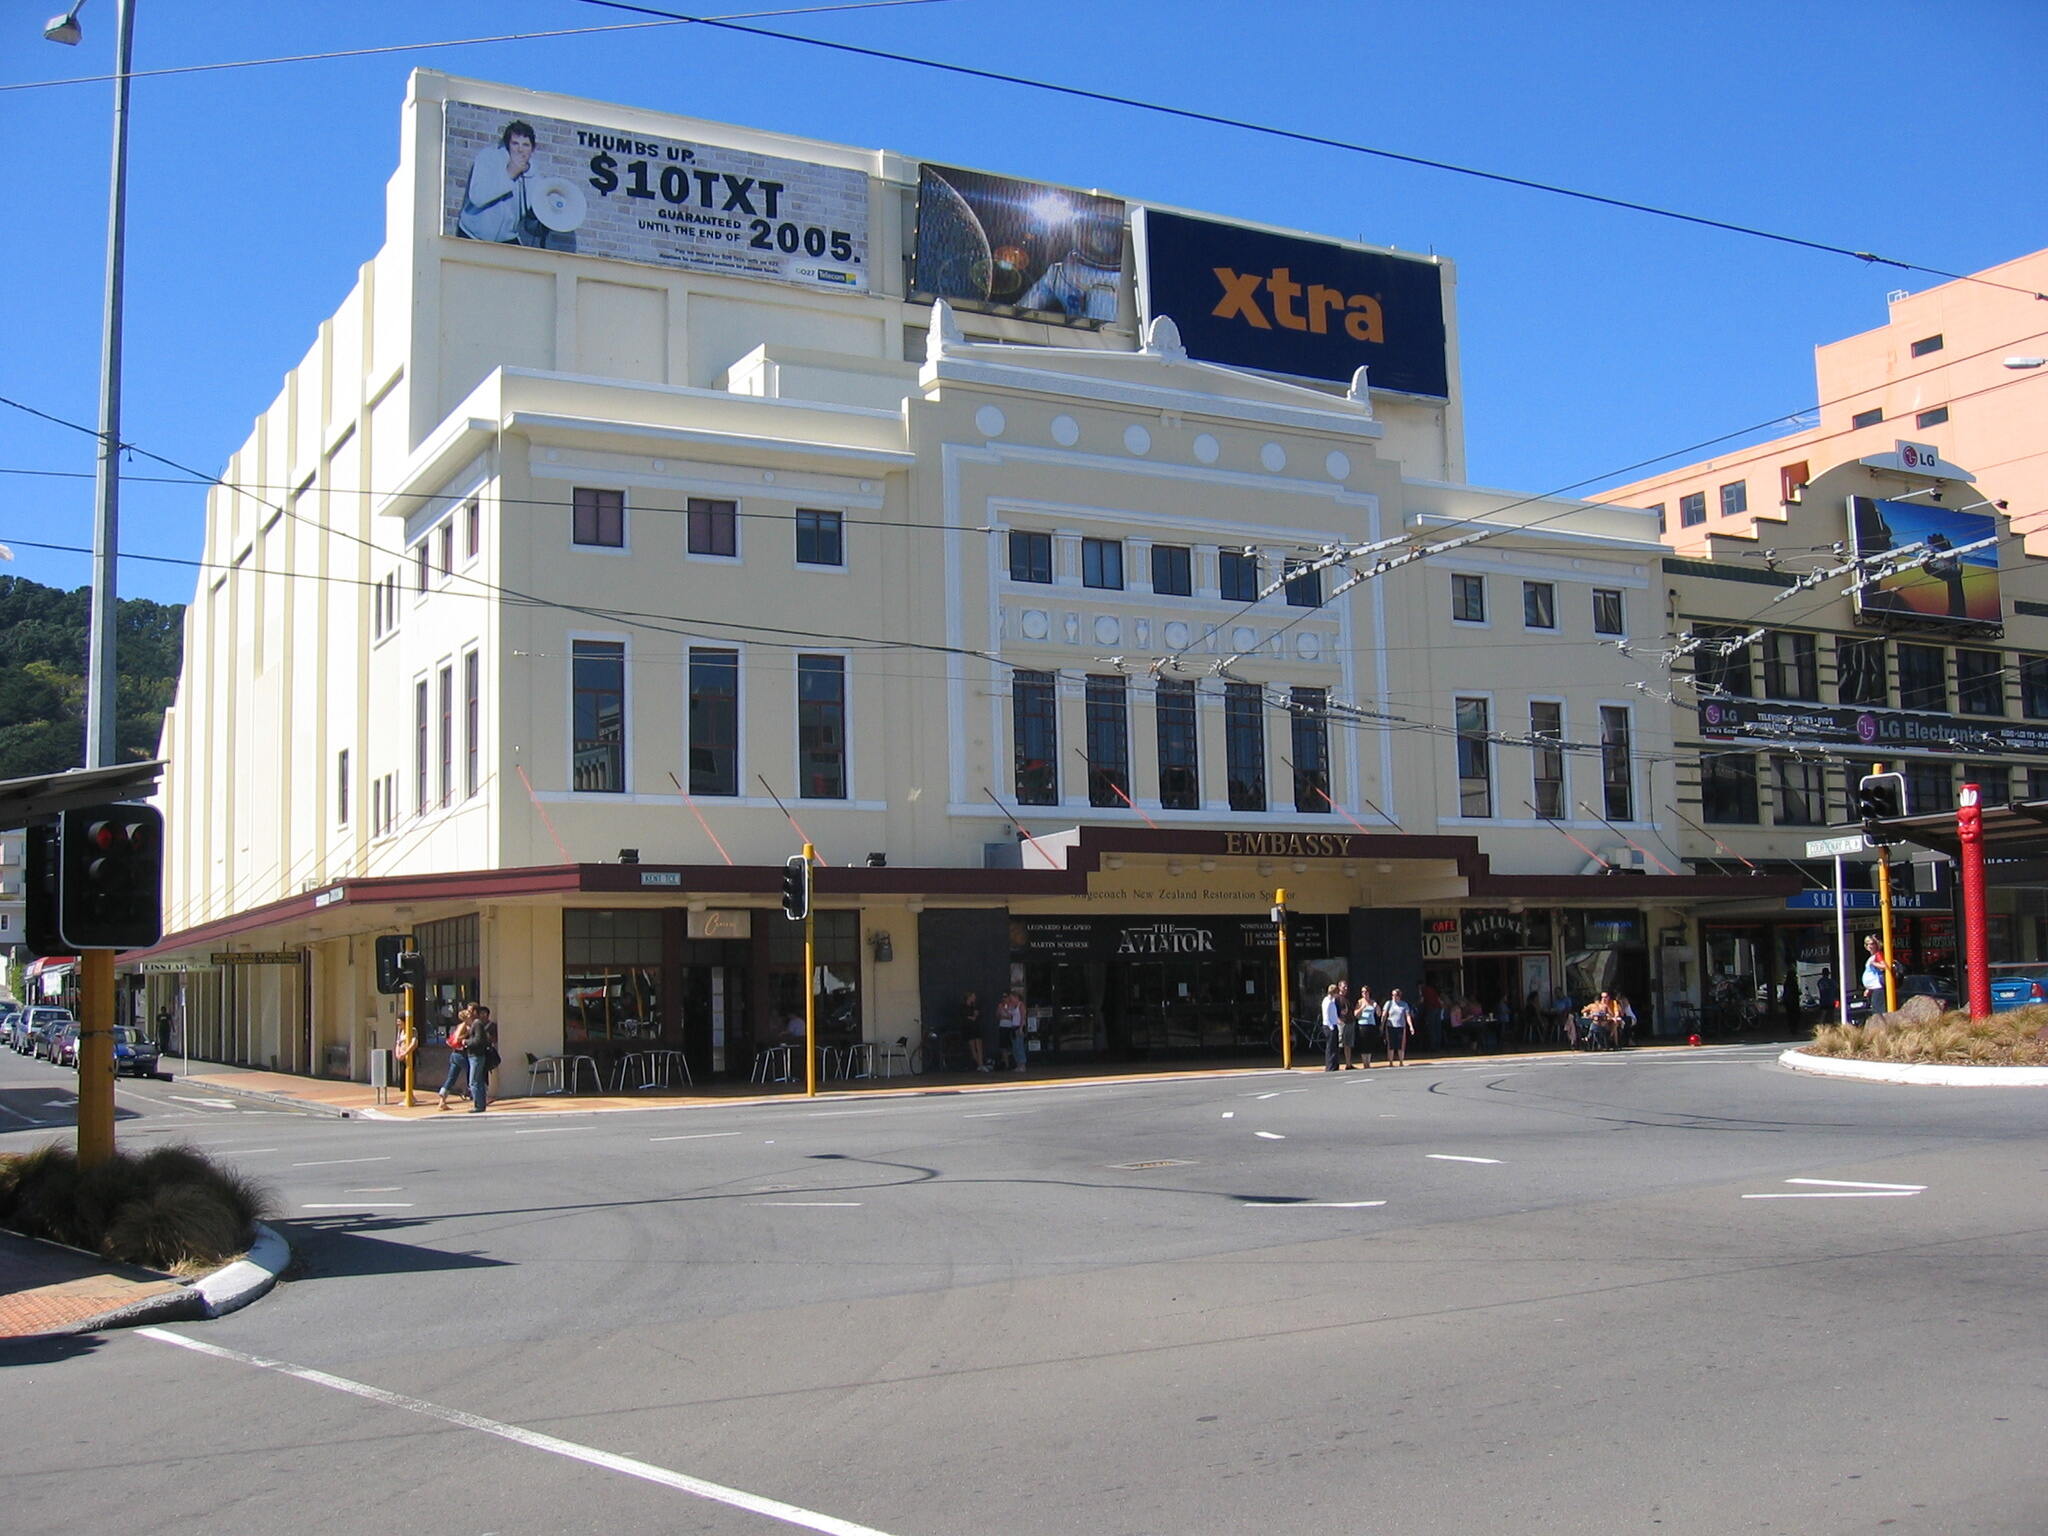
(1976, 958)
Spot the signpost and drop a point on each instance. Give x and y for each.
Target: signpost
(1834, 848)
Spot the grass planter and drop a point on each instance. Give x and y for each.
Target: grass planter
(2015, 1039)
(170, 1208)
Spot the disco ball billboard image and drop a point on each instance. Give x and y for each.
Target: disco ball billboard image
(992, 242)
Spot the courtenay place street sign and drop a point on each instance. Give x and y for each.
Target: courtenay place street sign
(1836, 847)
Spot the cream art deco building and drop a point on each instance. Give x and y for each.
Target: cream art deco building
(666, 494)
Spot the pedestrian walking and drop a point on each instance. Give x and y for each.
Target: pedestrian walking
(1365, 1023)
(1397, 1020)
(1333, 1021)
(1874, 970)
(1010, 1015)
(458, 1062)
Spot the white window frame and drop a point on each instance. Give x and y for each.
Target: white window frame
(1493, 816)
(739, 792)
(796, 756)
(1564, 731)
(1485, 603)
(608, 637)
(739, 533)
(845, 564)
(609, 551)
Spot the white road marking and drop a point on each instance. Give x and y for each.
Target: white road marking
(244, 1151)
(1269, 1135)
(58, 1103)
(774, 1509)
(375, 1189)
(1265, 1095)
(697, 1136)
(1853, 1184)
(839, 1114)
(1452, 1157)
(808, 1205)
(24, 1119)
(550, 1130)
(1310, 1205)
(363, 1205)
(1838, 1194)
(336, 1162)
(1230, 1114)
(187, 1098)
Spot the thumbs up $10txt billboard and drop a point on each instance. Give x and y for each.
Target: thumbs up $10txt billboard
(1250, 298)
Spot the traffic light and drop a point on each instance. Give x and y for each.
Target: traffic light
(399, 965)
(1880, 797)
(796, 888)
(110, 877)
(39, 920)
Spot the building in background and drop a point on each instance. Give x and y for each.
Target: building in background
(666, 495)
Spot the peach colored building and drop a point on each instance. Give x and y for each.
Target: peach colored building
(1945, 371)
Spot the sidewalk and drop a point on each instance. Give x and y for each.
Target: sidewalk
(49, 1289)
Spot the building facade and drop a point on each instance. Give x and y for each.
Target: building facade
(669, 495)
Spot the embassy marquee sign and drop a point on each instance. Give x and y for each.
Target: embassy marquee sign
(1249, 298)
(1766, 723)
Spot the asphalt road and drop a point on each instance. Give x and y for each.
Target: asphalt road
(1570, 1294)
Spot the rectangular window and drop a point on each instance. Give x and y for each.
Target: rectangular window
(1546, 723)
(1609, 616)
(1734, 497)
(420, 727)
(1237, 575)
(447, 544)
(1244, 745)
(1179, 770)
(1923, 678)
(1927, 344)
(1993, 781)
(1617, 771)
(1929, 787)
(1173, 570)
(447, 702)
(1304, 588)
(1802, 792)
(821, 727)
(1692, 509)
(714, 722)
(1933, 418)
(820, 538)
(1860, 673)
(1310, 708)
(1035, 729)
(1102, 563)
(598, 687)
(472, 706)
(472, 528)
(1539, 605)
(419, 564)
(1792, 481)
(1107, 714)
(1980, 682)
(1728, 789)
(2037, 783)
(714, 527)
(341, 788)
(1791, 666)
(1720, 665)
(1468, 599)
(599, 518)
(2034, 687)
(1869, 418)
(1475, 759)
(1030, 555)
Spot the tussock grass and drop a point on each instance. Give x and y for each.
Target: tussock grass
(170, 1208)
(2016, 1039)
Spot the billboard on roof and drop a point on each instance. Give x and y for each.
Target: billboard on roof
(1313, 309)
(995, 243)
(1957, 581)
(542, 182)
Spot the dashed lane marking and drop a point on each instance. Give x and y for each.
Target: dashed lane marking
(1310, 1205)
(336, 1162)
(812, 1205)
(1842, 1189)
(697, 1136)
(363, 1205)
(1269, 1135)
(1452, 1157)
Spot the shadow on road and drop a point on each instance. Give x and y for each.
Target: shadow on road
(347, 1247)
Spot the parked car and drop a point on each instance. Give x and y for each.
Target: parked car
(64, 1046)
(2018, 989)
(134, 1052)
(42, 1024)
(10, 1016)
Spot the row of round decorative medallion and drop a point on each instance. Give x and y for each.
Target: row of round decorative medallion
(989, 421)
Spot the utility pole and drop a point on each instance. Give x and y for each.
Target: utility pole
(1286, 1009)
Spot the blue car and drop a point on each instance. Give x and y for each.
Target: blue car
(2014, 991)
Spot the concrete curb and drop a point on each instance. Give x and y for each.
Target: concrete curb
(265, 1096)
(1913, 1075)
(234, 1286)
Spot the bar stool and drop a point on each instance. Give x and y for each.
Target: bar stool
(891, 1059)
(541, 1069)
(662, 1067)
(572, 1071)
(774, 1064)
(857, 1060)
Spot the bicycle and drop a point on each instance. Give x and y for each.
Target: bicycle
(1308, 1037)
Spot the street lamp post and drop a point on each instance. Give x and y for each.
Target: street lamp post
(100, 714)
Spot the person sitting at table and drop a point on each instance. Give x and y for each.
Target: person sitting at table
(1601, 1021)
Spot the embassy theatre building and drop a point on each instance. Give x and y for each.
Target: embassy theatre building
(667, 494)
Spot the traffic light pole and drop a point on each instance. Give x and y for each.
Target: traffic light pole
(1286, 1010)
(1884, 917)
(95, 1057)
(810, 985)
(412, 1045)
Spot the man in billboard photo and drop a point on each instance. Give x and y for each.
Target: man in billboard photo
(494, 203)
(1082, 285)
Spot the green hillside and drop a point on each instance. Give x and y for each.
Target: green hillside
(42, 676)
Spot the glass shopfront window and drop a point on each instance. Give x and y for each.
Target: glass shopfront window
(836, 941)
(448, 950)
(611, 981)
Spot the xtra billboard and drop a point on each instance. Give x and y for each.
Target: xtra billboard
(562, 186)
(989, 242)
(1249, 298)
(1947, 588)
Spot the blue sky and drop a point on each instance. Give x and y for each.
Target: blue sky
(1592, 338)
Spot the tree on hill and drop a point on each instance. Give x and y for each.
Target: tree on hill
(42, 675)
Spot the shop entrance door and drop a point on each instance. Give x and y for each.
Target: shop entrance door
(714, 1003)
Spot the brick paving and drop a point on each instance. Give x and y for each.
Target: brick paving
(46, 1288)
